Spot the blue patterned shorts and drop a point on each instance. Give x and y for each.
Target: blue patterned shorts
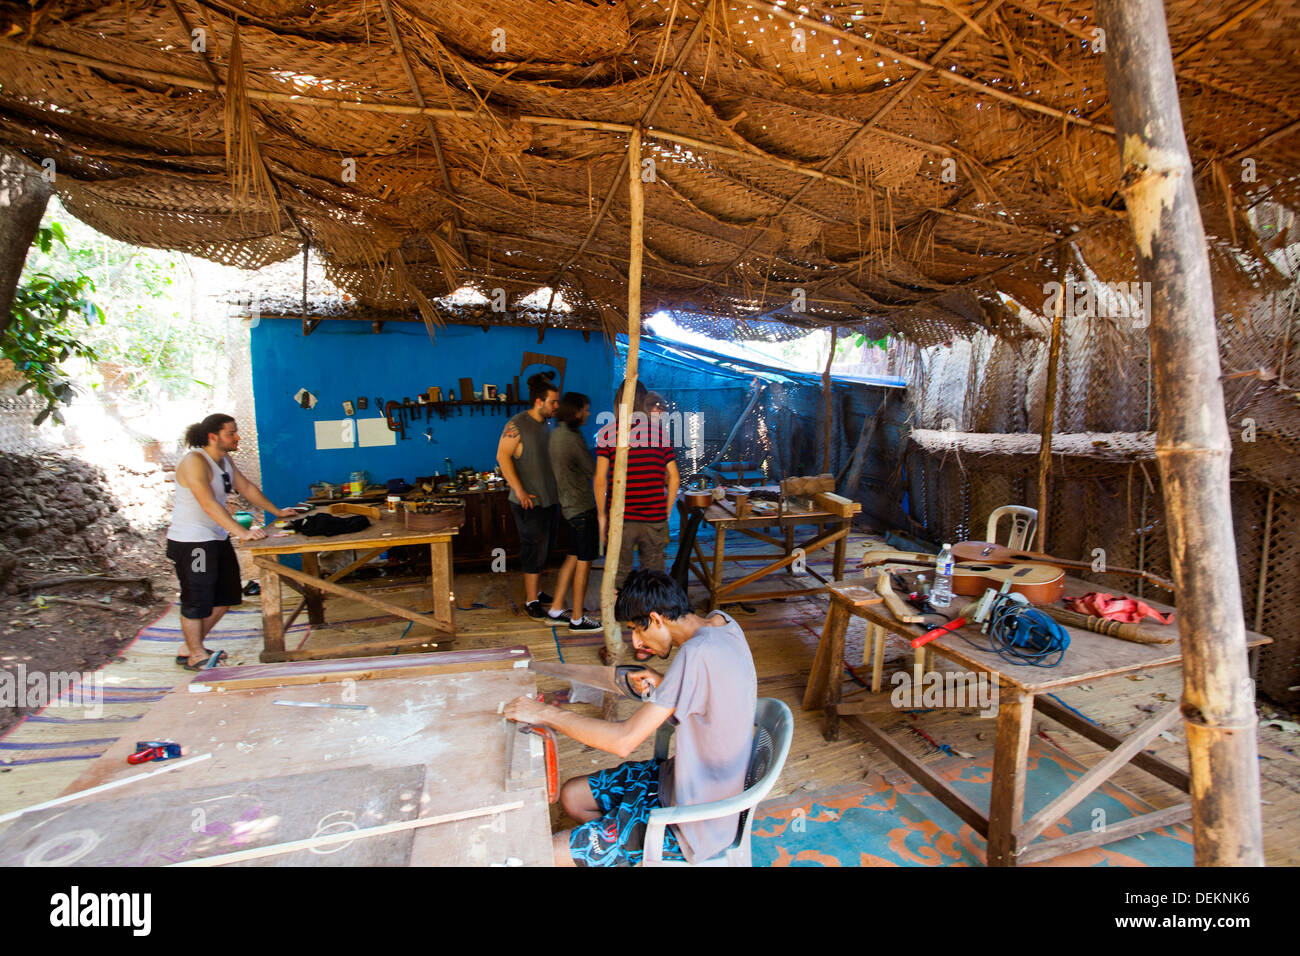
(626, 794)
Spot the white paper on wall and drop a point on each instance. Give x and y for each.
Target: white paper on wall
(374, 431)
(339, 433)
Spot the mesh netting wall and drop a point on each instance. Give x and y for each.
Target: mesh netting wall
(997, 386)
(777, 422)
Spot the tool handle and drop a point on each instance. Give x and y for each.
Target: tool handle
(623, 676)
(930, 635)
(552, 759)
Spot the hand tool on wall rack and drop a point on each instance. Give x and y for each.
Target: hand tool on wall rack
(399, 424)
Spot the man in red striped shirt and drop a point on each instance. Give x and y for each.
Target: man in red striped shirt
(652, 481)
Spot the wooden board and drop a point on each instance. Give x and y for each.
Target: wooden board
(445, 722)
(837, 504)
(358, 668)
(154, 828)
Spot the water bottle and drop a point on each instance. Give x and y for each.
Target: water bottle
(941, 592)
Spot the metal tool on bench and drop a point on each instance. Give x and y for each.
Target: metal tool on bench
(616, 680)
(520, 773)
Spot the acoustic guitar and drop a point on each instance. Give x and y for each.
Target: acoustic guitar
(1039, 583)
(1000, 554)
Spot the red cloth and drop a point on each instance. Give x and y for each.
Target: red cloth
(1129, 610)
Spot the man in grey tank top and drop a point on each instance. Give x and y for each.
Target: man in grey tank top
(523, 454)
(198, 539)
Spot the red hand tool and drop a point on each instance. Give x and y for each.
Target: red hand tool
(930, 635)
(552, 759)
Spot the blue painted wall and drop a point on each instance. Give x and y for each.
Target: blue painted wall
(340, 361)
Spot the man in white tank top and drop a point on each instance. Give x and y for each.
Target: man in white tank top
(198, 539)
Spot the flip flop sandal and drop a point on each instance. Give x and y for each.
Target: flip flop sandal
(183, 658)
(206, 662)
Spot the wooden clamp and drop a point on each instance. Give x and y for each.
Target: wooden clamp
(897, 607)
(837, 504)
(806, 487)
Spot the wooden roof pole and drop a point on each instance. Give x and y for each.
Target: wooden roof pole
(1192, 444)
(1049, 414)
(826, 393)
(636, 202)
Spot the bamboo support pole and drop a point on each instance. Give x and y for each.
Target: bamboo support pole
(1193, 445)
(1049, 415)
(636, 200)
(826, 393)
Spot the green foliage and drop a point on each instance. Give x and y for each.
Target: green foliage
(845, 345)
(148, 349)
(43, 333)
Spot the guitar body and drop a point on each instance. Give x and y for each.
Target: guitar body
(1039, 583)
(1000, 554)
(996, 553)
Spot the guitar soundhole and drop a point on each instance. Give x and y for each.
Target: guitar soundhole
(978, 567)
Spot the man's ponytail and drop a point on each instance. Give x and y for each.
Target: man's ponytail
(196, 436)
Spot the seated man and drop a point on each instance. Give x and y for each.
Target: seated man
(710, 692)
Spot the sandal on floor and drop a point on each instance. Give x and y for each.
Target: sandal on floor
(210, 661)
(183, 658)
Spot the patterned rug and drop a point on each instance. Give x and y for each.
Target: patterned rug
(878, 823)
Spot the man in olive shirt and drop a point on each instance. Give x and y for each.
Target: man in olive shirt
(574, 466)
(523, 454)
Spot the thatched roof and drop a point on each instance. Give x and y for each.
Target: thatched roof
(900, 161)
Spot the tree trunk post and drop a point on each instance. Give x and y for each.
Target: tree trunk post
(636, 198)
(24, 195)
(1192, 445)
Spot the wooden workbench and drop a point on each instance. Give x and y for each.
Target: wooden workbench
(1022, 690)
(833, 531)
(386, 532)
(430, 744)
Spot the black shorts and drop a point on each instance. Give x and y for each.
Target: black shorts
(536, 525)
(209, 575)
(586, 535)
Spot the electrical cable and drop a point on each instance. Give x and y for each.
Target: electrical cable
(1021, 634)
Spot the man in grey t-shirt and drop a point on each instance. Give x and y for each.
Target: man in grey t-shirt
(573, 464)
(710, 692)
(523, 454)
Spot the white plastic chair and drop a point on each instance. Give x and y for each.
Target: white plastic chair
(773, 729)
(1023, 522)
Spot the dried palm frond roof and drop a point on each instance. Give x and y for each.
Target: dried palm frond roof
(898, 162)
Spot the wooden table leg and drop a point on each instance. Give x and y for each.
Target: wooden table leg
(878, 661)
(1010, 755)
(719, 542)
(841, 549)
(272, 623)
(444, 599)
(314, 598)
(814, 696)
(837, 621)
